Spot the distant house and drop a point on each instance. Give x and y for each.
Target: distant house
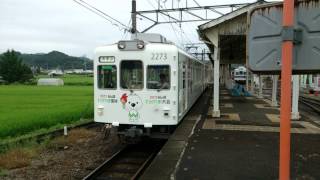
(54, 73)
(78, 71)
(50, 82)
(88, 72)
(1, 80)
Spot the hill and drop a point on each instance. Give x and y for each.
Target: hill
(56, 59)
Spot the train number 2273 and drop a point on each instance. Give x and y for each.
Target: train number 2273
(159, 56)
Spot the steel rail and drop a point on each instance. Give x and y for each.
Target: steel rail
(127, 163)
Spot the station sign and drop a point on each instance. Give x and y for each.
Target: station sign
(266, 34)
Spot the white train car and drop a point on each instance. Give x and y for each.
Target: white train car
(240, 75)
(142, 87)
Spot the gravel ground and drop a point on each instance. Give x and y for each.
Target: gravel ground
(69, 158)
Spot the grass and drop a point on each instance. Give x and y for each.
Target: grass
(22, 156)
(73, 79)
(16, 158)
(74, 137)
(25, 109)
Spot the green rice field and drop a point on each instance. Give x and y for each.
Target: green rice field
(24, 109)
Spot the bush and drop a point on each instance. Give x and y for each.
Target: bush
(12, 69)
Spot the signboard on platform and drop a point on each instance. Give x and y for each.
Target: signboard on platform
(266, 34)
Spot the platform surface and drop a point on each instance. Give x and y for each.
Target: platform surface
(242, 144)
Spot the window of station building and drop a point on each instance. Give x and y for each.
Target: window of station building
(158, 77)
(131, 74)
(107, 77)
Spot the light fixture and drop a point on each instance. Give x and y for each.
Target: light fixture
(121, 45)
(140, 44)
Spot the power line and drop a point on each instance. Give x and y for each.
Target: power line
(173, 29)
(151, 4)
(103, 15)
(181, 30)
(126, 32)
(213, 10)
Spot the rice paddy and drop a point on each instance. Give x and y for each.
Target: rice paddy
(24, 109)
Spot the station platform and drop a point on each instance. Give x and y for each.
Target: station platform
(242, 144)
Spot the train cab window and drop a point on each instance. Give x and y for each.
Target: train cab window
(158, 77)
(131, 74)
(107, 77)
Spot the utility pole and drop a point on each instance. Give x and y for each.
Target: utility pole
(285, 101)
(134, 17)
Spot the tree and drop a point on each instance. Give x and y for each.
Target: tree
(12, 69)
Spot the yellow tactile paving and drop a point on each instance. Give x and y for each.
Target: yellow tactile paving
(262, 106)
(249, 98)
(227, 105)
(225, 97)
(273, 117)
(230, 116)
(209, 124)
(309, 128)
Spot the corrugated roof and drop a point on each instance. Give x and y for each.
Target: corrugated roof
(228, 16)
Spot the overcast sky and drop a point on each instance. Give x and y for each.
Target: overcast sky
(40, 26)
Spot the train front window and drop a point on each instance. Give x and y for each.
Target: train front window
(107, 77)
(131, 74)
(158, 77)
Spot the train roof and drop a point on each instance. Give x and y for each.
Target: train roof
(149, 39)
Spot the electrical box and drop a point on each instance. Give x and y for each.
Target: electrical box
(266, 34)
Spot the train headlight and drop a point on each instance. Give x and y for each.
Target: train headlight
(121, 45)
(140, 44)
(100, 109)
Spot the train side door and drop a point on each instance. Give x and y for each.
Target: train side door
(182, 87)
(186, 84)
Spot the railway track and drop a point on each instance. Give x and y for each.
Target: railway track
(311, 103)
(129, 162)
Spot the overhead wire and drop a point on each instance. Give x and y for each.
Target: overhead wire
(174, 31)
(125, 33)
(182, 32)
(102, 14)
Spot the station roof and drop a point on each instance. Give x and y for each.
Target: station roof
(228, 33)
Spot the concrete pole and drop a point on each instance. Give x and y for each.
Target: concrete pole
(216, 75)
(222, 74)
(260, 94)
(295, 98)
(134, 17)
(252, 83)
(228, 79)
(247, 79)
(274, 90)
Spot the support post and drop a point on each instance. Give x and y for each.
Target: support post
(285, 109)
(252, 84)
(216, 77)
(274, 101)
(260, 93)
(295, 98)
(134, 17)
(247, 79)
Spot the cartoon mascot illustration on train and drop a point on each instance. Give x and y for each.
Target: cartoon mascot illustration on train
(132, 103)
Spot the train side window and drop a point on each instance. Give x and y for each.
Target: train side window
(107, 77)
(131, 74)
(158, 77)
